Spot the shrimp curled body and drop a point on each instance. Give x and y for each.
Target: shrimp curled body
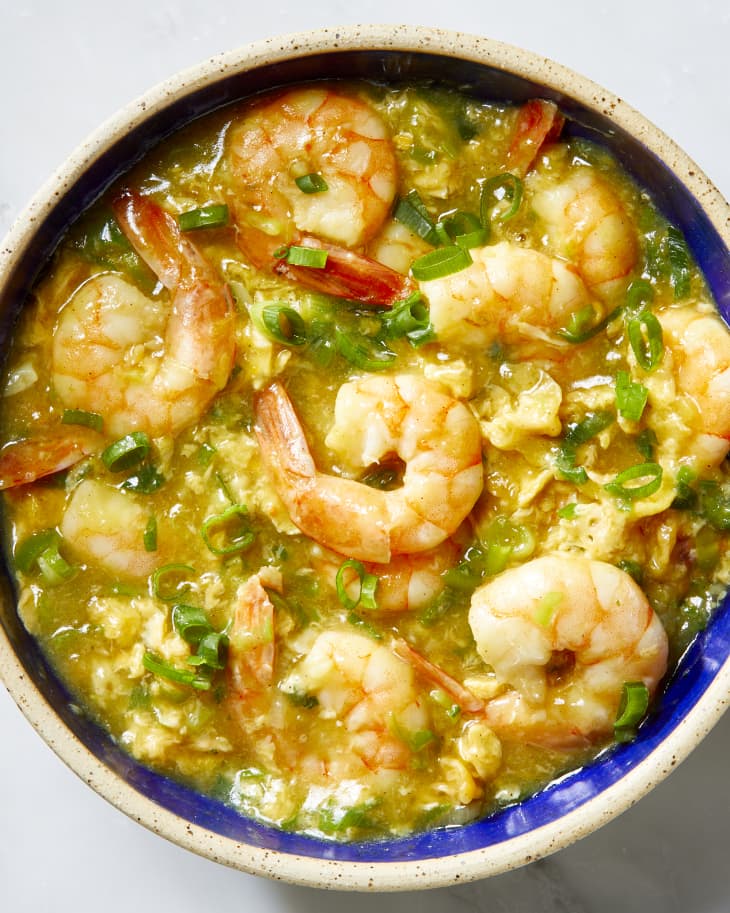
(434, 434)
(565, 633)
(141, 363)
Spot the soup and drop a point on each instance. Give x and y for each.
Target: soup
(365, 456)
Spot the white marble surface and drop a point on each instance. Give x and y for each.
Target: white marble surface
(64, 67)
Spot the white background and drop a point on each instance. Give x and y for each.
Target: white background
(66, 66)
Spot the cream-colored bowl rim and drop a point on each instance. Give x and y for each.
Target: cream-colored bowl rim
(385, 876)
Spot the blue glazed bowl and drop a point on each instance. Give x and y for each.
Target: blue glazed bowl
(581, 801)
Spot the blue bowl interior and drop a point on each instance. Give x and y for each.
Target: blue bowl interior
(700, 663)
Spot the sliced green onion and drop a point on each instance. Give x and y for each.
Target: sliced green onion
(411, 212)
(367, 584)
(581, 327)
(81, 417)
(200, 680)
(679, 270)
(411, 319)
(633, 705)
(54, 567)
(639, 296)
(441, 262)
(357, 353)
(547, 607)
(645, 336)
(30, 549)
(632, 568)
(146, 480)
(213, 216)
(631, 397)
(502, 187)
(160, 586)
(465, 230)
(714, 505)
(568, 511)
(149, 537)
(313, 257)
(128, 451)
(646, 441)
(707, 548)
(384, 477)
(281, 323)
(686, 497)
(232, 526)
(225, 490)
(359, 622)
(209, 651)
(191, 622)
(311, 183)
(579, 433)
(205, 454)
(621, 489)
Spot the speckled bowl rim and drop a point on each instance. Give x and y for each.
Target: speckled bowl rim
(317, 872)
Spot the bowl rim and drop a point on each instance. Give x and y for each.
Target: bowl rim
(342, 874)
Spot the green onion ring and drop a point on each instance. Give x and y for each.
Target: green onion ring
(367, 586)
(128, 451)
(157, 578)
(648, 351)
(618, 487)
(239, 541)
(81, 417)
(440, 262)
(213, 216)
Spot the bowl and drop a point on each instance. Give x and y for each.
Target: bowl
(578, 803)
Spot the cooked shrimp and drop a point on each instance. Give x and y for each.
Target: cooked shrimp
(106, 526)
(700, 347)
(369, 689)
(143, 364)
(507, 292)
(538, 121)
(344, 143)
(407, 583)
(34, 458)
(436, 436)
(588, 223)
(565, 634)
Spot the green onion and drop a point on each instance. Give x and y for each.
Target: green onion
(679, 270)
(633, 705)
(441, 262)
(409, 318)
(209, 651)
(311, 183)
(465, 230)
(54, 567)
(686, 497)
(281, 323)
(632, 568)
(302, 699)
(191, 622)
(126, 452)
(313, 257)
(159, 584)
(639, 296)
(411, 212)
(359, 622)
(205, 454)
(27, 552)
(707, 548)
(384, 477)
(213, 216)
(81, 417)
(547, 607)
(650, 471)
(501, 188)
(145, 481)
(645, 336)
(232, 525)
(581, 327)
(645, 444)
(630, 397)
(714, 505)
(367, 584)
(149, 537)
(579, 433)
(357, 353)
(568, 511)
(199, 680)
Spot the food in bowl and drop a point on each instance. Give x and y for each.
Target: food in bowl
(365, 460)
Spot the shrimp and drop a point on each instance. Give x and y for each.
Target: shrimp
(368, 689)
(106, 526)
(506, 292)
(700, 347)
(588, 223)
(143, 364)
(538, 122)
(33, 458)
(437, 437)
(343, 143)
(407, 583)
(565, 634)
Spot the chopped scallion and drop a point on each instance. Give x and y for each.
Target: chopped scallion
(633, 705)
(191, 622)
(621, 488)
(631, 397)
(359, 353)
(54, 567)
(647, 343)
(128, 451)
(440, 262)
(366, 585)
(411, 212)
(149, 536)
(679, 269)
(30, 549)
(231, 529)
(581, 326)
(502, 188)
(409, 318)
(311, 183)
(81, 417)
(281, 323)
(200, 680)
(313, 257)
(214, 215)
(168, 582)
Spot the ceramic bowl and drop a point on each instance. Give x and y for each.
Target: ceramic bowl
(581, 801)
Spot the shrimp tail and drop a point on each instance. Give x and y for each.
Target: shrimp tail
(349, 275)
(22, 462)
(153, 233)
(538, 122)
(468, 702)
